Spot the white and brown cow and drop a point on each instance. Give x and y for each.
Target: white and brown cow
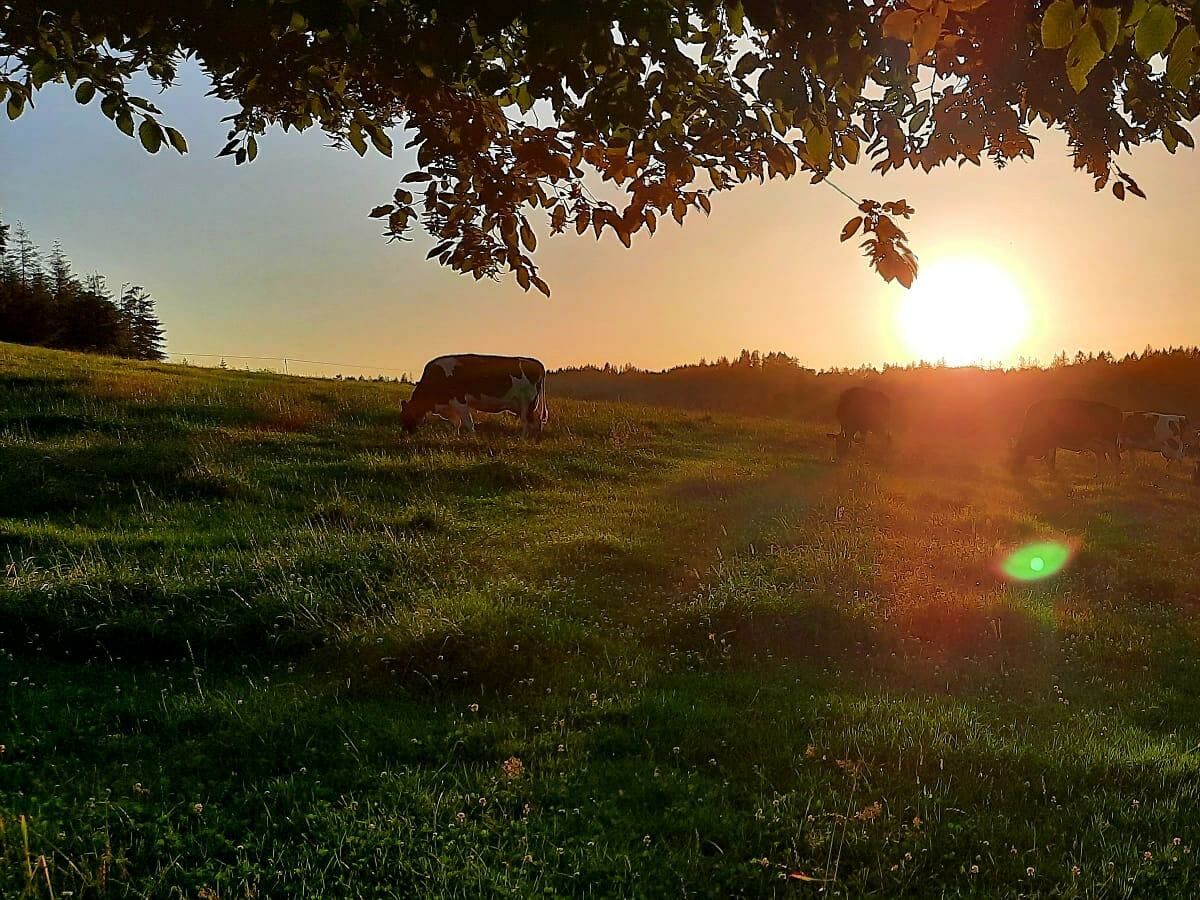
(1170, 435)
(453, 386)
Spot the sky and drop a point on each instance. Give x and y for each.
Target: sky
(277, 259)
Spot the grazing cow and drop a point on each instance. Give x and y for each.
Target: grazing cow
(453, 386)
(1170, 435)
(1156, 432)
(859, 410)
(1076, 425)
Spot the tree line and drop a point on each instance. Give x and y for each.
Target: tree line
(44, 303)
(934, 399)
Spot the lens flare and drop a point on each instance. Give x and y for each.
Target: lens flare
(1033, 562)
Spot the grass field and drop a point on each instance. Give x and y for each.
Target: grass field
(257, 644)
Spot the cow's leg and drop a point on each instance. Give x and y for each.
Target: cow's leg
(463, 412)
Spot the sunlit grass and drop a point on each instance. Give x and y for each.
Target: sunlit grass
(257, 643)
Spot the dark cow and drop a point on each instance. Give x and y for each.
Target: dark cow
(861, 410)
(453, 386)
(1069, 424)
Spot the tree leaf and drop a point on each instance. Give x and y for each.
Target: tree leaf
(541, 285)
(357, 141)
(851, 228)
(736, 16)
(380, 211)
(929, 28)
(1107, 22)
(1182, 64)
(1058, 25)
(747, 64)
(850, 148)
(177, 140)
(84, 92)
(150, 135)
(527, 237)
(1083, 56)
(1155, 30)
(125, 122)
(902, 25)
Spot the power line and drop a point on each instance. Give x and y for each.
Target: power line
(286, 359)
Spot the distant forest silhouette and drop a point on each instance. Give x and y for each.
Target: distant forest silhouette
(932, 399)
(44, 304)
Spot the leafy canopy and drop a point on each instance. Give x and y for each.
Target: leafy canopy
(517, 108)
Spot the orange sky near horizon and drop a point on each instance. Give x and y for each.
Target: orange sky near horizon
(278, 259)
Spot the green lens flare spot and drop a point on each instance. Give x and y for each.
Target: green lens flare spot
(1036, 561)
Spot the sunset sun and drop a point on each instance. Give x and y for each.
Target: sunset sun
(963, 310)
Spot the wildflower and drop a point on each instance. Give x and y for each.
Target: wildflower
(1175, 841)
(460, 817)
(513, 767)
(198, 808)
(908, 857)
(562, 748)
(974, 870)
(646, 840)
(810, 751)
(483, 801)
(1075, 870)
(527, 859)
(1135, 805)
(870, 813)
(1030, 871)
(1147, 856)
(474, 707)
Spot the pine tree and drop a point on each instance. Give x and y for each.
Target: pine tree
(27, 258)
(145, 330)
(62, 280)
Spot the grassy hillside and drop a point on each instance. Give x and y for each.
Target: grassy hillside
(257, 643)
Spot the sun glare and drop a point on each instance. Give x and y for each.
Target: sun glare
(961, 311)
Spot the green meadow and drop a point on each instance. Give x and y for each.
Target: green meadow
(257, 643)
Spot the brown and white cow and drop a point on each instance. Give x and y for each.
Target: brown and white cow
(1169, 435)
(453, 386)
(861, 410)
(1069, 424)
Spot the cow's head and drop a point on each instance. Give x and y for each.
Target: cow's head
(409, 418)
